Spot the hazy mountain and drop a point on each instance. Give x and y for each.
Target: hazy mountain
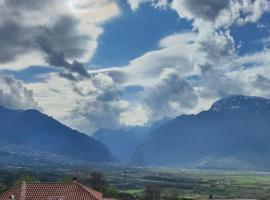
(233, 133)
(32, 134)
(123, 142)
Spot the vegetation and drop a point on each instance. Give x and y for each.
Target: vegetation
(23, 178)
(149, 184)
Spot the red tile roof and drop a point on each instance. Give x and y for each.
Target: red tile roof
(52, 191)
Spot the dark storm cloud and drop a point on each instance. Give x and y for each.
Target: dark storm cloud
(109, 95)
(57, 58)
(68, 76)
(64, 37)
(26, 4)
(60, 42)
(219, 47)
(16, 38)
(14, 41)
(206, 9)
(98, 114)
(102, 107)
(171, 89)
(205, 67)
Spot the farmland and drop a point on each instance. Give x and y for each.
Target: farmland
(183, 183)
(196, 184)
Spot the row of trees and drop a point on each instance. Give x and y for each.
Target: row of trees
(98, 182)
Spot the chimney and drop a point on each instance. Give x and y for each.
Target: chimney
(74, 180)
(23, 191)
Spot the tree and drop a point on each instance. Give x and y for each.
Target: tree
(8, 178)
(22, 179)
(66, 179)
(170, 194)
(112, 192)
(152, 193)
(98, 181)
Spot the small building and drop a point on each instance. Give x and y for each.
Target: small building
(52, 191)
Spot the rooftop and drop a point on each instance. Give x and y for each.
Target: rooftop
(52, 191)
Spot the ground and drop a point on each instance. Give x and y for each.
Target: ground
(186, 183)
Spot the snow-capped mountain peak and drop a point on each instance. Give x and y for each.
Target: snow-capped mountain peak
(241, 102)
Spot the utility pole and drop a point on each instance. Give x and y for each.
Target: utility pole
(124, 181)
(22, 170)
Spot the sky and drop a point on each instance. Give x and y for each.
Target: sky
(113, 64)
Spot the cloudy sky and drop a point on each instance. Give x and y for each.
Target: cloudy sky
(116, 63)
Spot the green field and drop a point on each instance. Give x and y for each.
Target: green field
(185, 184)
(195, 184)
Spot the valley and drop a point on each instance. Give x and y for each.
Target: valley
(220, 153)
(170, 183)
(134, 99)
(232, 134)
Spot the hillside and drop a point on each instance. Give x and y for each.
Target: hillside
(233, 134)
(123, 142)
(28, 136)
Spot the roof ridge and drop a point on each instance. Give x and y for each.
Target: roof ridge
(93, 194)
(96, 194)
(50, 183)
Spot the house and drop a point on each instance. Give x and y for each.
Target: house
(52, 191)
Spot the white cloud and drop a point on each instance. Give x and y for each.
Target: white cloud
(86, 104)
(24, 61)
(55, 95)
(135, 116)
(171, 96)
(213, 19)
(165, 73)
(71, 28)
(222, 13)
(60, 33)
(96, 102)
(135, 4)
(100, 108)
(175, 51)
(185, 74)
(14, 95)
(208, 52)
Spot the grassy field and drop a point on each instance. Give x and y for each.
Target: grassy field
(187, 184)
(194, 184)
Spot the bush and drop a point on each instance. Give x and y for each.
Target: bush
(28, 179)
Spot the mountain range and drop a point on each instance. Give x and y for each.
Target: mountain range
(28, 136)
(233, 134)
(123, 142)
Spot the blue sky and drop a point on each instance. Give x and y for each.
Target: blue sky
(113, 64)
(30, 74)
(132, 34)
(250, 35)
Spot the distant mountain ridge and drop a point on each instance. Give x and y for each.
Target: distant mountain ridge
(240, 102)
(233, 134)
(123, 142)
(34, 135)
